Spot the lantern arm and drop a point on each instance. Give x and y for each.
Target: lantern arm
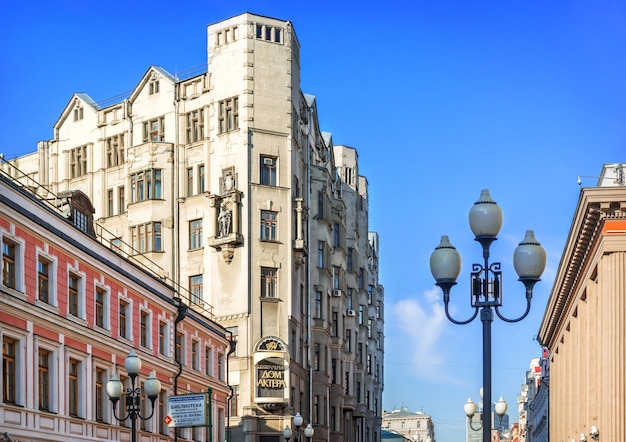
(454, 321)
(505, 319)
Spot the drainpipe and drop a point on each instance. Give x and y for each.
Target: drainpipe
(176, 191)
(182, 312)
(308, 267)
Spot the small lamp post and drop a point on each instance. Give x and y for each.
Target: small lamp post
(297, 423)
(529, 260)
(152, 388)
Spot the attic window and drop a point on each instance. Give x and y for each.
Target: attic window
(154, 87)
(80, 212)
(78, 113)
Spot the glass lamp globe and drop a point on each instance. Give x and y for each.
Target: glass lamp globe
(485, 216)
(132, 364)
(469, 408)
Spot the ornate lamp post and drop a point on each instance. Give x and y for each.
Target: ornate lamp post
(297, 423)
(152, 388)
(529, 260)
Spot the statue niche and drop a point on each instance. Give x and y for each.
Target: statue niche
(227, 207)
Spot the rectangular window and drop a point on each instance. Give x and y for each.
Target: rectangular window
(190, 181)
(268, 170)
(316, 357)
(100, 307)
(73, 387)
(110, 210)
(162, 337)
(115, 150)
(269, 282)
(348, 340)
(99, 396)
(179, 352)
(195, 358)
(208, 361)
(146, 185)
(78, 113)
(121, 201)
(228, 115)
(201, 178)
(147, 237)
(44, 379)
(9, 250)
(144, 328)
(154, 130)
(154, 87)
(195, 126)
(123, 319)
(321, 248)
(336, 242)
(195, 234)
(196, 288)
(221, 373)
(361, 277)
(259, 31)
(318, 305)
(73, 294)
(350, 263)
(335, 325)
(320, 205)
(78, 161)
(9, 359)
(43, 275)
(268, 225)
(336, 277)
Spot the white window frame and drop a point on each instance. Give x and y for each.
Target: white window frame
(82, 382)
(53, 374)
(20, 339)
(106, 306)
(53, 300)
(82, 314)
(148, 327)
(19, 259)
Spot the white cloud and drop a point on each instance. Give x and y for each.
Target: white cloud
(417, 328)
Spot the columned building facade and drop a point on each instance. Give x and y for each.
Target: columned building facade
(583, 327)
(225, 185)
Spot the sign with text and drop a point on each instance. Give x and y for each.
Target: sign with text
(187, 410)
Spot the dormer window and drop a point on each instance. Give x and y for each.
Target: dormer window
(154, 87)
(80, 212)
(78, 113)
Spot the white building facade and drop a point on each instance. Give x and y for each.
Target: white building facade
(226, 186)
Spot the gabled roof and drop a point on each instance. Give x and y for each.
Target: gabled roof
(83, 98)
(149, 75)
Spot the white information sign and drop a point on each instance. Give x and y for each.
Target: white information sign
(188, 410)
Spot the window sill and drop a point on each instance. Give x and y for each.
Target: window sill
(269, 299)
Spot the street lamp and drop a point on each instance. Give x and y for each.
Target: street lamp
(152, 388)
(297, 423)
(470, 410)
(529, 260)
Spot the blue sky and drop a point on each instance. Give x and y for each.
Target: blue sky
(441, 99)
